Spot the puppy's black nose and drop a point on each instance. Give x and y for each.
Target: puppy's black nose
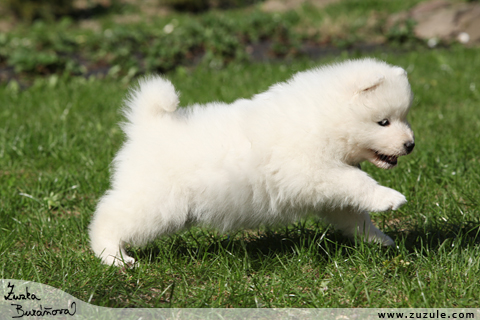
(409, 146)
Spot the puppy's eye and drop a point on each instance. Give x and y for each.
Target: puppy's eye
(384, 122)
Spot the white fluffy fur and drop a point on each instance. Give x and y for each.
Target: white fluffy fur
(288, 152)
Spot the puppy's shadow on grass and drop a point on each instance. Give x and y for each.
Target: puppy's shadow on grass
(256, 244)
(313, 239)
(416, 238)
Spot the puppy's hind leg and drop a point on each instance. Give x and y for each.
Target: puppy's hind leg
(357, 223)
(119, 220)
(108, 234)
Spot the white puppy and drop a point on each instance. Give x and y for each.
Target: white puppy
(282, 155)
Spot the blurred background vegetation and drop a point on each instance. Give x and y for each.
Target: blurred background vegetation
(124, 38)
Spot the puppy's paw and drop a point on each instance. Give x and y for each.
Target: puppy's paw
(382, 239)
(123, 261)
(127, 262)
(387, 199)
(368, 232)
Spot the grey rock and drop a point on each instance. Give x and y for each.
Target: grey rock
(443, 20)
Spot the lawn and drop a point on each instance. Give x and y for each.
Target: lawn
(58, 137)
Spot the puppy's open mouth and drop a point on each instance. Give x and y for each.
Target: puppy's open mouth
(383, 161)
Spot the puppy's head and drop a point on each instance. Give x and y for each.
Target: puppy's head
(379, 131)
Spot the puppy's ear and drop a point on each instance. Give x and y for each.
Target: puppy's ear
(370, 84)
(400, 71)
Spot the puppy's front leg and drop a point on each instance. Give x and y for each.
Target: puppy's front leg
(351, 187)
(357, 223)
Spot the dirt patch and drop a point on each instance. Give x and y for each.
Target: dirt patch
(286, 5)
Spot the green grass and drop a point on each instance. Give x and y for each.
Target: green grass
(57, 139)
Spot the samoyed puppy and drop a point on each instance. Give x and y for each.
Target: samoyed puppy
(280, 156)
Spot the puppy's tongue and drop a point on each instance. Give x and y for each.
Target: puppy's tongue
(384, 161)
(390, 159)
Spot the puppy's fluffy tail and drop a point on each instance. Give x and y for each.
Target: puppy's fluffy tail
(153, 97)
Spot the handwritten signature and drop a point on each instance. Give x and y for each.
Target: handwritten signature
(35, 312)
